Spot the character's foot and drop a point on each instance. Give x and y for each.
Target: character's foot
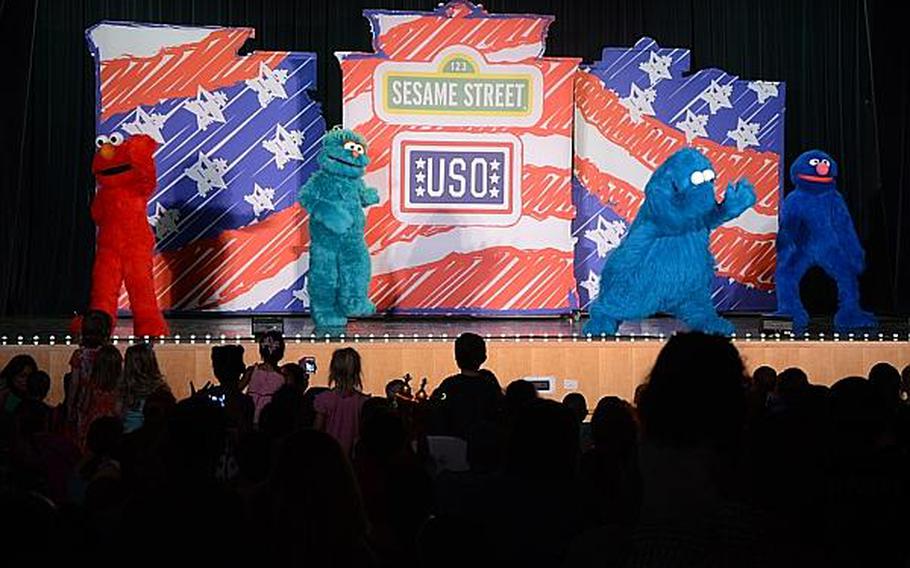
(713, 326)
(848, 319)
(600, 326)
(152, 328)
(358, 307)
(331, 323)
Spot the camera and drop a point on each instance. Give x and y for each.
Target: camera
(309, 365)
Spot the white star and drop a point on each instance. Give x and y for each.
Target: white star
(420, 191)
(421, 177)
(420, 162)
(607, 235)
(494, 178)
(164, 220)
(592, 285)
(717, 96)
(208, 173)
(657, 68)
(764, 89)
(269, 85)
(302, 295)
(638, 103)
(694, 125)
(146, 123)
(494, 193)
(494, 165)
(207, 107)
(285, 146)
(260, 199)
(745, 134)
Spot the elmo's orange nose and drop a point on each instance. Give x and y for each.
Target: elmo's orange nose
(106, 151)
(822, 169)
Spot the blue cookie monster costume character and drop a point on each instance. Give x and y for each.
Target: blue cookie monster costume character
(335, 197)
(816, 230)
(664, 264)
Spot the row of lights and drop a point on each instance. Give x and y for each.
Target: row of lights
(386, 338)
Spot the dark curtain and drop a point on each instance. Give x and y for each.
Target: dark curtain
(845, 62)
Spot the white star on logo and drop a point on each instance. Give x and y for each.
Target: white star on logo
(494, 165)
(420, 191)
(764, 89)
(146, 123)
(745, 134)
(207, 107)
(420, 177)
(494, 193)
(657, 67)
(420, 163)
(208, 173)
(592, 285)
(164, 220)
(260, 199)
(269, 85)
(301, 294)
(717, 96)
(494, 178)
(638, 103)
(285, 146)
(606, 236)
(694, 125)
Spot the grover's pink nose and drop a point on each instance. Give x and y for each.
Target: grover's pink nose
(822, 169)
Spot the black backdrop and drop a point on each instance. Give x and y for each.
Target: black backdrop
(846, 64)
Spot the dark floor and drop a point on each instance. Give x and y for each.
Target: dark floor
(421, 328)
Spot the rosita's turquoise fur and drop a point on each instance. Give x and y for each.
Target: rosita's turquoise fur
(816, 230)
(664, 264)
(335, 197)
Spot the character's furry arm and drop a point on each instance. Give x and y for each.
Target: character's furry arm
(329, 214)
(846, 234)
(368, 195)
(142, 157)
(737, 199)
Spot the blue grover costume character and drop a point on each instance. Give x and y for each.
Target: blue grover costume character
(663, 264)
(335, 197)
(816, 230)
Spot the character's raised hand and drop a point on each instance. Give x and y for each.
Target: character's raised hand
(738, 198)
(369, 196)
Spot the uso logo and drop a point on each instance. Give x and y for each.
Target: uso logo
(448, 178)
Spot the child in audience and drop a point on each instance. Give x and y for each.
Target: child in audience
(338, 409)
(142, 377)
(95, 332)
(102, 394)
(263, 379)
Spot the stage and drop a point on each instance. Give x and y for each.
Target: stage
(551, 350)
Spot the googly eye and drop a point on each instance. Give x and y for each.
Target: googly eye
(116, 139)
(813, 162)
(709, 175)
(826, 162)
(697, 178)
(101, 141)
(349, 146)
(358, 148)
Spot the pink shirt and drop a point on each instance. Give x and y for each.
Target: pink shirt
(342, 416)
(263, 384)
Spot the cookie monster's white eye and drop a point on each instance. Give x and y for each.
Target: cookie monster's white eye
(116, 139)
(101, 141)
(697, 178)
(709, 175)
(813, 162)
(350, 146)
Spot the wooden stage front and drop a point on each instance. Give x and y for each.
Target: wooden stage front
(550, 350)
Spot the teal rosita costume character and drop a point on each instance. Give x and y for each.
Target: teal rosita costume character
(816, 230)
(335, 197)
(664, 264)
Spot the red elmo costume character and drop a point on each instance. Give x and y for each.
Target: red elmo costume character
(125, 177)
